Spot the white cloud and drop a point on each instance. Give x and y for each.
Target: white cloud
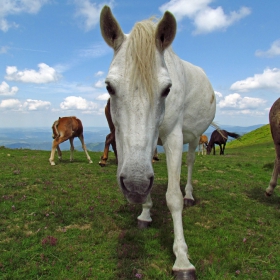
(182, 8)
(90, 12)
(28, 105)
(103, 97)
(205, 18)
(269, 79)
(209, 20)
(219, 96)
(235, 101)
(6, 90)
(273, 51)
(99, 74)
(12, 104)
(79, 103)
(12, 7)
(36, 105)
(45, 74)
(100, 83)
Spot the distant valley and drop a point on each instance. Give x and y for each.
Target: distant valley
(41, 138)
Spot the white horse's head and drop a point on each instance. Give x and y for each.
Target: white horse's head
(138, 83)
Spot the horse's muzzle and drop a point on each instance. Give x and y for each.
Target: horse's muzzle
(136, 191)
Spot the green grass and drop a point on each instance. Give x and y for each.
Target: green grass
(70, 221)
(258, 136)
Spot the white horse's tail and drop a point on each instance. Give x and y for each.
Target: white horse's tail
(214, 125)
(236, 136)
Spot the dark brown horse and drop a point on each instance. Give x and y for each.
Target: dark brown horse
(110, 139)
(220, 138)
(274, 121)
(63, 129)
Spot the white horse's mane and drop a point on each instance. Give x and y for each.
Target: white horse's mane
(140, 56)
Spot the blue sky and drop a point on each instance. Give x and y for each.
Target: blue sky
(53, 60)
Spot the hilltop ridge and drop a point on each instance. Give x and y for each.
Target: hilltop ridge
(257, 136)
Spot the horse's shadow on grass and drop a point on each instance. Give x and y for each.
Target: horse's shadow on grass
(133, 256)
(258, 194)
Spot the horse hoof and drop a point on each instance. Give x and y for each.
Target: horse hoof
(143, 224)
(52, 163)
(189, 202)
(101, 164)
(90, 161)
(267, 194)
(184, 274)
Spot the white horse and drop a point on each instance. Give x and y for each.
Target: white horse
(155, 98)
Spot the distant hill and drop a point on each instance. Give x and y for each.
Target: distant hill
(41, 138)
(257, 136)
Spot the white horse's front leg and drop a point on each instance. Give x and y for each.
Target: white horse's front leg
(188, 199)
(144, 220)
(273, 180)
(182, 268)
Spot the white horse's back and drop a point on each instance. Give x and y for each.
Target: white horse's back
(193, 97)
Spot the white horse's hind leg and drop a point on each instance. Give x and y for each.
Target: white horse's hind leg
(85, 148)
(188, 199)
(144, 220)
(173, 146)
(273, 180)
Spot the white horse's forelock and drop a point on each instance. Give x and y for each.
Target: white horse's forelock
(140, 56)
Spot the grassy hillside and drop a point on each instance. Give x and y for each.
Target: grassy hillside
(71, 221)
(257, 136)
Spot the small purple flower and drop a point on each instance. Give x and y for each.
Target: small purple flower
(138, 275)
(237, 272)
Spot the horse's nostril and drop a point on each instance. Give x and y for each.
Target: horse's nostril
(122, 183)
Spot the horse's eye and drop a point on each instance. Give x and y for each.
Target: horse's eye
(165, 92)
(110, 90)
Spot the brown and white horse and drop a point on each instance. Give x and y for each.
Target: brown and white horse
(111, 140)
(274, 121)
(203, 142)
(63, 129)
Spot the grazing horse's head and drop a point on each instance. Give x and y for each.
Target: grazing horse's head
(208, 149)
(138, 83)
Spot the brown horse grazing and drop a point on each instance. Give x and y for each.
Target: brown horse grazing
(274, 121)
(63, 129)
(220, 138)
(110, 139)
(203, 141)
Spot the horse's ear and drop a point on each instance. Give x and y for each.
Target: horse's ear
(166, 31)
(110, 28)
